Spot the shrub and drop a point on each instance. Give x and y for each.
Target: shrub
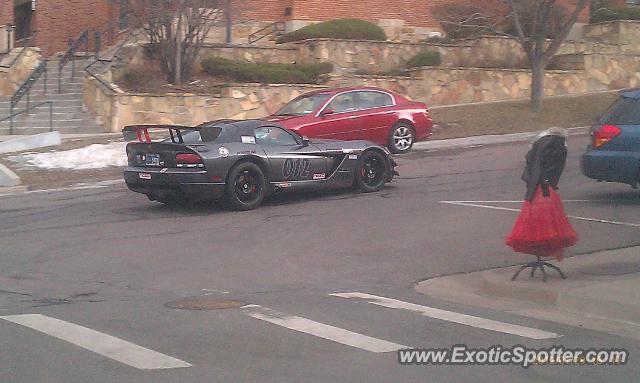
(425, 59)
(140, 77)
(337, 29)
(242, 71)
(462, 21)
(611, 14)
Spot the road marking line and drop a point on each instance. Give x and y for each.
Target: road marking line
(321, 330)
(630, 224)
(450, 316)
(103, 344)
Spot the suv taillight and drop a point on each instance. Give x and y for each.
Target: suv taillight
(605, 134)
(189, 160)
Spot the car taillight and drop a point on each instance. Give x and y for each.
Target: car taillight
(605, 134)
(189, 160)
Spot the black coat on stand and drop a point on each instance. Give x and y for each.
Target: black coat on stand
(545, 164)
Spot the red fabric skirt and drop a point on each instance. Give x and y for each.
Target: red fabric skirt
(542, 228)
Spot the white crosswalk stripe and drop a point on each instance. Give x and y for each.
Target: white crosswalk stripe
(145, 359)
(322, 330)
(100, 343)
(450, 316)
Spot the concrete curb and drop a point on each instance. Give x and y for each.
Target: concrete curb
(492, 139)
(7, 177)
(30, 142)
(601, 291)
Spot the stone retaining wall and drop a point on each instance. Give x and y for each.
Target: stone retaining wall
(11, 78)
(349, 56)
(445, 86)
(115, 109)
(613, 32)
(434, 86)
(612, 62)
(252, 53)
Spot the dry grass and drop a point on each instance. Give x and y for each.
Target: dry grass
(515, 116)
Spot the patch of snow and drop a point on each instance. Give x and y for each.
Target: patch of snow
(96, 156)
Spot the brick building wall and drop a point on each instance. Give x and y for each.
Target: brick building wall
(6, 12)
(58, 20)
(415, 13)
(261, 10)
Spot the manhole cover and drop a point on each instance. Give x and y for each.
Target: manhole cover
(205, 303)
(619, 268)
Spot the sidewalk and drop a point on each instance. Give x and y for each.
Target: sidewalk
(601, 292)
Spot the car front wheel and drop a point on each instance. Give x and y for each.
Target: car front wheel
(401, 138)
(372, 172)
(246, 187)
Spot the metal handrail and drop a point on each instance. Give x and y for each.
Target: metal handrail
(25, 88)
(25, 40)
(277, 26)
(70, 55)
(24, 48)
(26, 110)
(97, 60)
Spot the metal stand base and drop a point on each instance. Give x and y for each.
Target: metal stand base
(538, 264)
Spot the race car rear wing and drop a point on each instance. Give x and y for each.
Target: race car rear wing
(141, 132)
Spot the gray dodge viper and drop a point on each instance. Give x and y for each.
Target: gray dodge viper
(242, 162)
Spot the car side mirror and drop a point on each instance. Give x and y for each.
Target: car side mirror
(327, 112)
(305, 142)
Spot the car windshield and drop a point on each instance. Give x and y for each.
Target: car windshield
(304, 105)
(625, 111)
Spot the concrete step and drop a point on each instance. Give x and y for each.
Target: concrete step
(62, 130)
(36, 121)
(42, 115)
(45, 129)
(53, 83)
(44, 109)
(41, 96)
(56, 103)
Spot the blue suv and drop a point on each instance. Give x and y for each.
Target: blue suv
(614, 152)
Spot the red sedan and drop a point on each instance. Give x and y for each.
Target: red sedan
(373, 114)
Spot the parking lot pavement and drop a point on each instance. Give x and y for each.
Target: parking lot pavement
(325, 279)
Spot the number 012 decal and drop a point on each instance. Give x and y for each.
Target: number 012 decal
(300, 168)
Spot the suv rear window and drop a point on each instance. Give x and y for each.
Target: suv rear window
(625, 111)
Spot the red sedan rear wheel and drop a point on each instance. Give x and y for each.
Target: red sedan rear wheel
(401, 138)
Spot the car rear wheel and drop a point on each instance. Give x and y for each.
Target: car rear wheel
(372, 172)
(246, 187)
(401, 138)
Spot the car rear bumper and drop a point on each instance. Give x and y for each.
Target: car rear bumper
(611, 166)
(193, 184)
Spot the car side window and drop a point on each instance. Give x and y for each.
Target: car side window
(370, 99)
(344, 103)
(274, 136)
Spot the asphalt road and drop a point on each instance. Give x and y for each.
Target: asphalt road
(109, 260)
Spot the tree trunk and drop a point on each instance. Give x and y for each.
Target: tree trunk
(537, 84)
(228, 17)
(177, 76)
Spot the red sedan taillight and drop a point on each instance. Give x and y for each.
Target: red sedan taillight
(604, 134)
(189, 160)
